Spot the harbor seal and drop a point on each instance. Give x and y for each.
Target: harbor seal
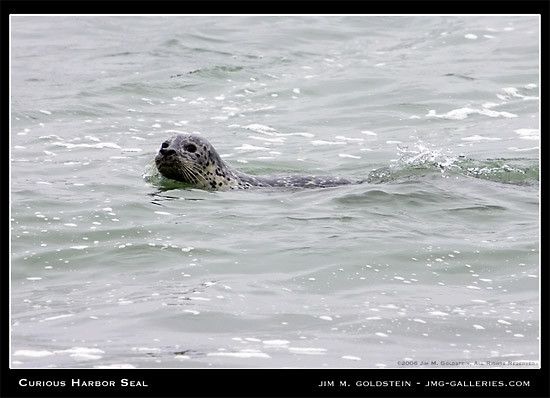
(193, 160)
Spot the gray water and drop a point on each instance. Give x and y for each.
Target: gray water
(435, 259)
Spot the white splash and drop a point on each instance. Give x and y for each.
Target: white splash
(528, 134)
(463, 113)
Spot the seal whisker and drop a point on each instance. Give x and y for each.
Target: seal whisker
(196, 172)
(181, 173)
(191, 176)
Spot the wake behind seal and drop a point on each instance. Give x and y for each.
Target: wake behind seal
(193, 160)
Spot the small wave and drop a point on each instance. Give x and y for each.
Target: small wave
(462, 113)
(510, 171)
(421, 160)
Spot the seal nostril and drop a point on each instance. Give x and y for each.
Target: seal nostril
(167, 152)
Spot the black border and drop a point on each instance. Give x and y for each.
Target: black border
(278, 382)
(283, 383)
(491, 7)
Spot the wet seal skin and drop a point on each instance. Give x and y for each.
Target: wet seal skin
(193, 160)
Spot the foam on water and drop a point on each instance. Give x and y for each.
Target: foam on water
(425, 158)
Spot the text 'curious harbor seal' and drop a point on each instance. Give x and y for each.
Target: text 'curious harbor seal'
(193, 160)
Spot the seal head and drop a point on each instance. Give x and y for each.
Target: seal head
(192, 159)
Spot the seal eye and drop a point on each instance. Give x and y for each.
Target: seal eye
(164, 145)
(191, 148)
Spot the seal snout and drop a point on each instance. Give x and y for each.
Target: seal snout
(167, 152)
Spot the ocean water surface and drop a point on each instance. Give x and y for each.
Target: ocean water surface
(436, 259)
